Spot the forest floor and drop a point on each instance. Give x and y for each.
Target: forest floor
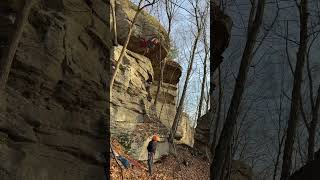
(189, 164)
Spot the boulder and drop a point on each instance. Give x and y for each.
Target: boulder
(172, 69)
(240, 171)
(202, 132)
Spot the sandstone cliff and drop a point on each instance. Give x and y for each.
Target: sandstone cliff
(54, 125)
(133, 119)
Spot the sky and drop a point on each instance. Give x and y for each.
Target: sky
(182, 36)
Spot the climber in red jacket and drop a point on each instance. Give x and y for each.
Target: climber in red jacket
(152, 146)
(148, 43)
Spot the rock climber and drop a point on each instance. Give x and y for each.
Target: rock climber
(148, 43)
(152, 146)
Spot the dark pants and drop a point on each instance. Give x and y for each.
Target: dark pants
(150, 162)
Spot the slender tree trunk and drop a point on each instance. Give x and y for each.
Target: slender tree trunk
(314, 107)
(275, 170)
(207, 102)
(221, 151)
(8, 54)
(162, 66)
(295, 98)
(280, 139)
(202, 90)
(311, 138)
(203, 79)
(124, 48)
(169, 12)
(221, 28)
(199, 25)
(217, 123)
(313, 127)
(114, 19)
(185, 86)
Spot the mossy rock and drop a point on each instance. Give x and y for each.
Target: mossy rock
(125, 141)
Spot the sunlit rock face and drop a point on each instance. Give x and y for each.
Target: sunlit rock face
(146, 26)
(133, 118)
(55, 122)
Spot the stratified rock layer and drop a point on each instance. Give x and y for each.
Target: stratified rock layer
(133, 120)
(146, 27)
(54, 127)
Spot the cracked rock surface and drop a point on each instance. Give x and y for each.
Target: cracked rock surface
(54, 125)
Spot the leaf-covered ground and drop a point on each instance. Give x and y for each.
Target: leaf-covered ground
(188, 165)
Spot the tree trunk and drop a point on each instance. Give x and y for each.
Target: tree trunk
(216, 168)
(163, 64)
(315, 108)
(203, 78)
(295, 98)
(313, 127)
(8, 54)
(213, 142)
(311, 138)
(184, 90)
(114, 19)
(275, 170)
(124, 48)
(202, 89)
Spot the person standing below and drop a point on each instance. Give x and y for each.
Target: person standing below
(152, 146)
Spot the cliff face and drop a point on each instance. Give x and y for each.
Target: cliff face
(54, 125)
(57, 90)
(167, 101)
(202, 132)
(133, 119)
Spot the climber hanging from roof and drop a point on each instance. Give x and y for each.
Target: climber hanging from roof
(148, 43)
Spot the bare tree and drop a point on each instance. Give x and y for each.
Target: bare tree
(280, 138)
(221, 25)
(315, 103)
(223, 147)
(204, 77)
(199, 26)
(171, 9)
(8, 55)
(124, 48)
(213, 139)
(296, 96)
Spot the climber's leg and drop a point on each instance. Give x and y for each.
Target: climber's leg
(150, 162)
